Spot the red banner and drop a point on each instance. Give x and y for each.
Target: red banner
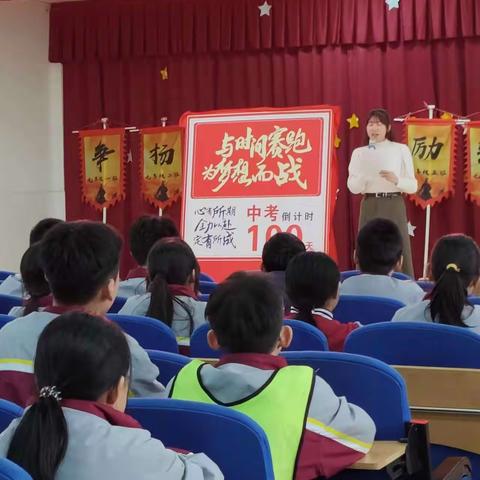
(102, 154)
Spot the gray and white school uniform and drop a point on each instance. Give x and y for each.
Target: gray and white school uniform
(12, 285)
(386, 286)
(138, 305)
(132, 286)
(420, 312)
(98, 450)
(18, 344)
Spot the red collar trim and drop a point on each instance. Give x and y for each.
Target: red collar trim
(262, 361)
(112, 416)
(138, 272)
(182, 290)
(61, 309)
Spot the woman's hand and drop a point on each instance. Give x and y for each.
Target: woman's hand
(389, 176)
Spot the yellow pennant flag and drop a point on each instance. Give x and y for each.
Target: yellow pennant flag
(161, 165)
(102, 156)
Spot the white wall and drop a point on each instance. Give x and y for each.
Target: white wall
(31, 136)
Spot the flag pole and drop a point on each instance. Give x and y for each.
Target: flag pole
(104, 121)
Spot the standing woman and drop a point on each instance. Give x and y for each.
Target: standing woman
(383, 171)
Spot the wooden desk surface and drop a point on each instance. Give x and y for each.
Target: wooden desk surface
(382, 454)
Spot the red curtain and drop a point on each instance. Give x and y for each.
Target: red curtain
(398, 76)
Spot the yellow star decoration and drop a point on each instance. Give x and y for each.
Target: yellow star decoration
(164, 73)
(353, 121)
(338, 141)
(446, 116)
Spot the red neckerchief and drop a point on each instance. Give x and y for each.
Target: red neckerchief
(138, 272)
(182, 290)
(42, 302)
(263, 361)
(110, 414)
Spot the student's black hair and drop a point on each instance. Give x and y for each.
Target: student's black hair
(41, 228)
(379, 246)
(383, 117)
(279, 250)
(170, 262)
(311, 279)
(246, 313)
(146, 231)
(78, 258)
(34, 282)
(455, 265)
(83, 357)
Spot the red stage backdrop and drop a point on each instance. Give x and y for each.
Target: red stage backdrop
(218, 54)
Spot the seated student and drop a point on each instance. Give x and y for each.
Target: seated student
(312, 280)
(276, 254)
(311, 431)
(80, 261)
(378, 254)
(77, 428)
(13, 285)
(144, 233)
(173, 274)
(37, 289)
(455, 267)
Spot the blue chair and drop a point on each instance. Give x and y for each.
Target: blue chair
(11, 471)
(305, 337)
(205, 277)
(168, 363)
(150, 333)
(4, 319)
(369, 383)
(4, 274)
(8, 412)
(351, 273)
(7, 302)
(425, 285)
(117, 304)
(236, 443)
(207, 287)
(474, 300)
(365, 309)
(415, 343)
(203, 297)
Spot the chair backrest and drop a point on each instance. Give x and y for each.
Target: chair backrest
(168, 363)
(207, 287)
(235, 442)
(474, 300)
(7, 302)
(366, 382)
(117, 304)
(416, 343)
(150, 333)
(203, 297)
(365, 309)
(199, 347)
(305, 337)
(4, 274)
(425, 285)
(351, 273)
(4, 319)
(8, 411)
(205, 277)
(11, 471)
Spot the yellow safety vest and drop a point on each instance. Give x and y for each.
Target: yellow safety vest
(280, 407)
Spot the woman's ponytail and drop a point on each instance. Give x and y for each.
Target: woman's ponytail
(40, 440)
